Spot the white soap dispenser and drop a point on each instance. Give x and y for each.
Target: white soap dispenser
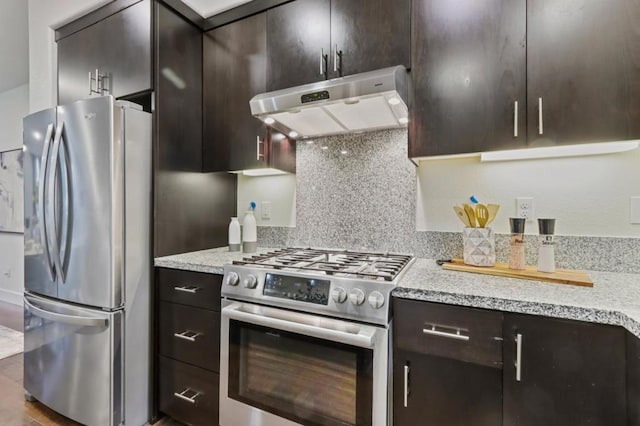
(235, 242)
(249, 231)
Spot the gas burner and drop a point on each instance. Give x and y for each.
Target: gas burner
(343, 263)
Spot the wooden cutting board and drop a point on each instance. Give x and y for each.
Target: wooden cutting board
(561, 276)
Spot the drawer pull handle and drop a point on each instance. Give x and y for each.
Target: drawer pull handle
(187, 289)
(187, 335)
(183, 395)
(433, 332)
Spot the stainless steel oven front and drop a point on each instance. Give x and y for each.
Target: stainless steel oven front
(281, 368)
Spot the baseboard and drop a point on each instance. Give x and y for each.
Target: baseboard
(13, 297)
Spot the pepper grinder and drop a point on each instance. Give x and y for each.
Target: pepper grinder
(546, 254)
(517, 254)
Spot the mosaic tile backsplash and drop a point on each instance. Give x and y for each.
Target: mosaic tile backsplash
(359, 192)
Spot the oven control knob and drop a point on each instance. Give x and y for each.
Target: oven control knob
(250, 281)
(376, 300)
(339, 295)
(356, 297)
(232, 279)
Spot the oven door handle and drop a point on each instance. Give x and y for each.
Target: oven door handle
(299, 323)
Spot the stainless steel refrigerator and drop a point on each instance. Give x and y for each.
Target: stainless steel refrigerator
(87, 175)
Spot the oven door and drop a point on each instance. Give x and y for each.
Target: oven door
(279, 367)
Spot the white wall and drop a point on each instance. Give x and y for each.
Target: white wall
(14, 104)
(587, 195)
(44, 15)
(280, 190)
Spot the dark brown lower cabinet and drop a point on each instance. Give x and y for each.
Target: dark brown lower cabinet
(443, 391)
(188, 393)
(188, 345)
(633, 380)
(570, 373)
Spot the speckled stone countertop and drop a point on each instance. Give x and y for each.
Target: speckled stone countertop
(613, 299)
(210, 261)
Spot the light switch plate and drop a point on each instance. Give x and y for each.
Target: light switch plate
(634, 210)
(266, 210)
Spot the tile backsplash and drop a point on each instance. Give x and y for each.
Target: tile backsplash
(360, 192)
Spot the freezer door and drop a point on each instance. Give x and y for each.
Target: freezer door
(73, 360)
(89, 204)
(38, 133)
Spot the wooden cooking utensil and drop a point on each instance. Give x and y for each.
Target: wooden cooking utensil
(482, 215)
(462, 216)
(493, 212)
(471, 214)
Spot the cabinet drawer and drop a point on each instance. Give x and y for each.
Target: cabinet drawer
(190, 288)
(465, 334)
(198, 403)
(190, 335)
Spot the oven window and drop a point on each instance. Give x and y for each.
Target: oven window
(304, 379)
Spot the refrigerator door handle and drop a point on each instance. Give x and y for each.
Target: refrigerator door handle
(44, 159)
(65, 319)
(51, 187)
(66, 180)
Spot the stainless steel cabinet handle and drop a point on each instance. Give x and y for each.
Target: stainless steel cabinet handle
(187, 335)
(258, 142)
(540, 122)
(90, 83)
(515, 119)
(406, 386)
(337, 60)
(187, 289)
(44, 159)
(518, 357)
(183, 395)
(457, 336)
(322, 62)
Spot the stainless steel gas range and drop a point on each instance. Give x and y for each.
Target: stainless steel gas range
(305, 338)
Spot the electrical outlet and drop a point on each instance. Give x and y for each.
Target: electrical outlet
(524, 207)
(634, 211)
(265, 207)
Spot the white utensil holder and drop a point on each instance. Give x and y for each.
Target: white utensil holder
(479, 246)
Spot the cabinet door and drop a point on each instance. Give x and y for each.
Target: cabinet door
(119, 46)
(442, 391)
(298, 34)
(468, 72)
(571, 373)
(371, 34)
(235, 64)
(633, 380)
(583, 61)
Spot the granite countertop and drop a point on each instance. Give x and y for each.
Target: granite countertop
(210, 261)
(613, 299)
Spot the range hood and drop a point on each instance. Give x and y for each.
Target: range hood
(357, 103)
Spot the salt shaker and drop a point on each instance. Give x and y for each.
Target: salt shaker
(517, 253)
(546, 251)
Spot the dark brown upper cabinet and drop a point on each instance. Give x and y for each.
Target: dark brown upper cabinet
(469, 76)
(369, 34)
(298, 42)
(314, 40)
(119, 47)
(568, 373)
(235, 65)
(583, 66)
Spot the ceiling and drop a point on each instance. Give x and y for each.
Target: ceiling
(14, 44)
(208, 8)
